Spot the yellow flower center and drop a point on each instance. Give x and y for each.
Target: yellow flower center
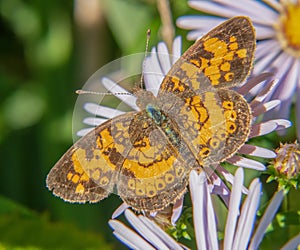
(289, 29)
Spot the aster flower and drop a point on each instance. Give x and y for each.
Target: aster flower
(148, 234)
(278, 36)
(156, 67)
(239, 231)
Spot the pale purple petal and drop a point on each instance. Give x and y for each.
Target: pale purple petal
(256, 151)
(246, 163)
(265, 107)
(268, 127)
(197, 189)
(167, 239)
(298, 107)
(274, 4)
(129, 237)
(282, 111)
(201, 23)
(229, 177)
(286, 89)
(264, 92)
(253, 82)
(264, 32)
(216, 185)
(292, 244)
(247, 217)
(227, 8)
(282, 123)
(212, 237)
(262, 86)
(264, 62)
(233, 210)
(144, 230)
(263, 50)
(266, 219)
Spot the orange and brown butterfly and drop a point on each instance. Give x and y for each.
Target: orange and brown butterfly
(195, 121)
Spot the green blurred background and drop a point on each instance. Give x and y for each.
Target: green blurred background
(48, 49)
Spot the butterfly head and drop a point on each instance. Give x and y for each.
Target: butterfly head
(144, 98)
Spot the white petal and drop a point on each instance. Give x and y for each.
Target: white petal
(163, 57)
(263, 108)
(246, 163)
(266, 220)
(120, 92)
(121, 209)
(103, 111)
(247, 217)
(129, 237)
(282, 124)
(229, 177)
(153, 74)
(233, 210)
(197, 189)
(199, 23)
(176, 211)
(143, 230)
(167, 239)
(256, 151)
(93, 121)
(227, 8)
(176, 49)
(268, 127)
(212, 7)
(265, 92)
(196, 34)
(84, 131)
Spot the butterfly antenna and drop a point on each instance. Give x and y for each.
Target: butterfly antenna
(144, 62)
(80, 92)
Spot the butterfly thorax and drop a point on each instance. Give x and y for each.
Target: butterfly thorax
(148, 102)
(164, 122)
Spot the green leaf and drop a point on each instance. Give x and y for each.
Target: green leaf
(21, 228)
(24, 107)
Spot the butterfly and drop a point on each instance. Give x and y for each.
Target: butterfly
(194, 122)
